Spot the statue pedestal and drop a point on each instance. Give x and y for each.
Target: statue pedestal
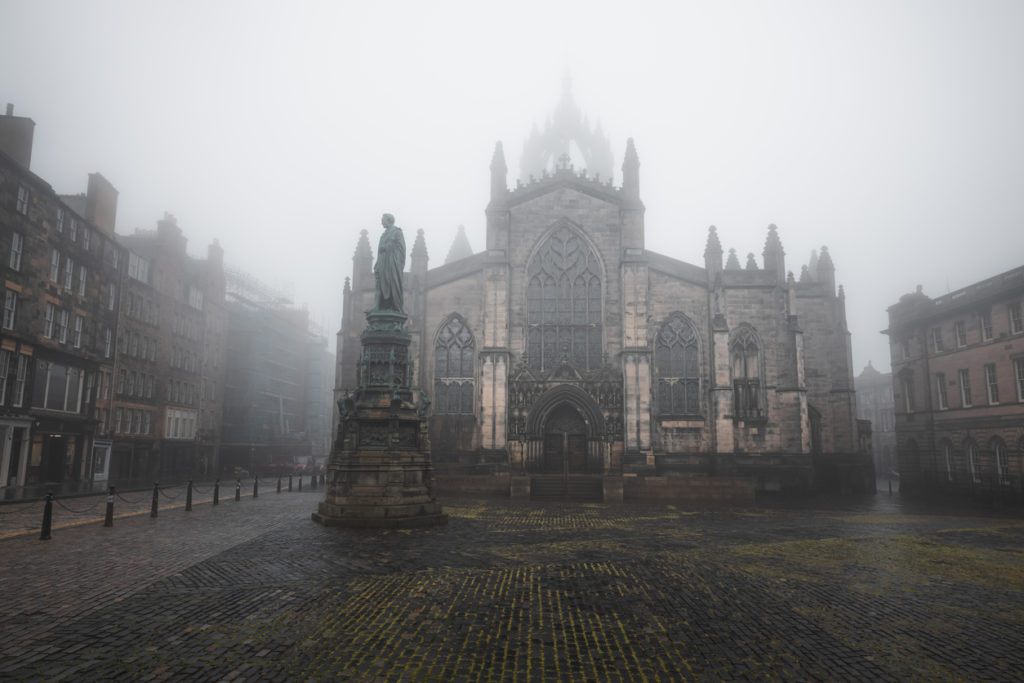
(380, 474)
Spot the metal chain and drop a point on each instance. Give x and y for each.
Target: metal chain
(130, 502)
(170, 497)
(78, 512)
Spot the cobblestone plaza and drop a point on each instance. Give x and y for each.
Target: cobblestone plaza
(254, 590)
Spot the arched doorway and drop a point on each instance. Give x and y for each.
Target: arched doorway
(565, 442)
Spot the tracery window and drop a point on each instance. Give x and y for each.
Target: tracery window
(677, 363)
(746, 375)
(563, 303)
(454, 356)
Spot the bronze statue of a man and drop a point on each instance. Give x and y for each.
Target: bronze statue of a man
(390, 266)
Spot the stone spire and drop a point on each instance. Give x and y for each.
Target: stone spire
(631, 172)
(774, 256)
(732, 263)
(713, 254)
(812, 265)
(460, 248)
(751, 261)
(419, 253)
(826, 271)
(499, 173)
(362, 263)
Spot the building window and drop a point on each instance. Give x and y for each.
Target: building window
(10, 308)
(48, 320)
(60, 219)
(965, 388)
(22, 205)
(677, 362)
(563, 303)
(746, 375)
(1018, 376)
(961, 333)
(905, 349)
(937, 339)
(19, 380)
(111, 296)
(1002, 463)
(118, 415)
(62, 327)
(79, 323)
(17, 246)
(81, 280)
(147, 423)
(986, 326)
(120, 381)
(69, 268)
(57, 387)
(107, 342)
(74, 229)
(454, 357)
(940, 389)
(1016, 323)
(972, 461)
(138, 267)
(54, 266)
(991, 387)
(5, 368)
(907, 386)
(86, 236)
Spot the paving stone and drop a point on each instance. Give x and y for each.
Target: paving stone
(256, 591)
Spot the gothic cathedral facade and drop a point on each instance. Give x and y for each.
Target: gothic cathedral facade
(567, 347)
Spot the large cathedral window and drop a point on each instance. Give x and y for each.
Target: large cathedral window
(677, 363)
(563, 303)
(454, 354)
(746, 375)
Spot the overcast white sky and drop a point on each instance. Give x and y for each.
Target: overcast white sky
(893, 132)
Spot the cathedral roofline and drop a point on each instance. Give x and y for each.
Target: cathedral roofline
(568, 177)
(456, 269)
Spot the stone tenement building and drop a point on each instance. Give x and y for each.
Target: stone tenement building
(566, 347)
(958, 384)
(875, 404)
(61, 293)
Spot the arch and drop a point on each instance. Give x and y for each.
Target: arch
(677, 367)
(746, 367)
(454, 366)
(564, 300)
(574, 396)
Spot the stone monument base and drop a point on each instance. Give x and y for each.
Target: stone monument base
(382, 490)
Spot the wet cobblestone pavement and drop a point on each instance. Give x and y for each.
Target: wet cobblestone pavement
(254, 590)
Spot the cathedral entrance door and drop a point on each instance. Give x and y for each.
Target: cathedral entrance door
(565, 442)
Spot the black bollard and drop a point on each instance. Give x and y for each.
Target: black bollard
(279, 483)
(289, 483)
(238, 490)
(109, 519)
(256, 486)
(155, 507)
(188, 497)
(323, 479)
(44, 534)
(312, 483)
(216, 492)
(300, 483)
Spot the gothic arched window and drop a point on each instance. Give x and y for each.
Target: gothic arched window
(973, 466)
(563, 303)
(1001, 462)
(746, 375)
(677, 363)
(454, 355)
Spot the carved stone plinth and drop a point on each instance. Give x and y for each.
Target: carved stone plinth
(380, 473)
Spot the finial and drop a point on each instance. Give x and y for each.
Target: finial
(733, 262)
(751, 262)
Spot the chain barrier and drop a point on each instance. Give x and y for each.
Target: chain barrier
(130, 502)
(189, 489)
(77, 512)
(163, 492)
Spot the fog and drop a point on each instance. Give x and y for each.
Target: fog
(889, 131)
